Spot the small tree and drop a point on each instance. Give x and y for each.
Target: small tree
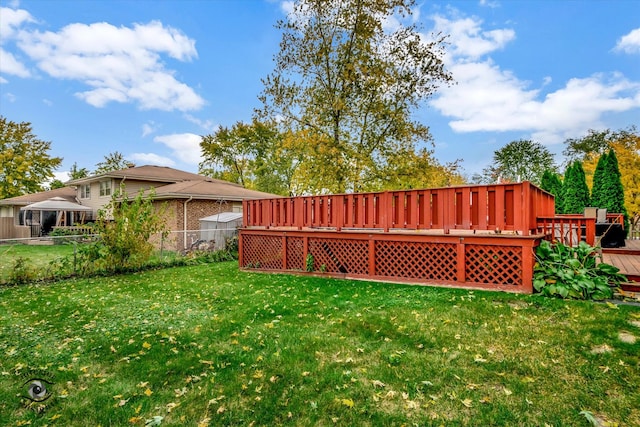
(126, 227)
(551, 182)
(612, 190)
(576, 192)
(112, 162)
(599, 178)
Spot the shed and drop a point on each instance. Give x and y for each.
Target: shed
(220, 227)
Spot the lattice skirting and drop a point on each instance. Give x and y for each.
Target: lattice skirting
(487, 262)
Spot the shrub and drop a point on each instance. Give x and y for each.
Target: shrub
(572, 272)
(22, 271)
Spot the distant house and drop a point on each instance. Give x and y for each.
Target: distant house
(16, 223)
(188, 197)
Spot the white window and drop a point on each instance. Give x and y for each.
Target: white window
(105, 188)
(85, 191)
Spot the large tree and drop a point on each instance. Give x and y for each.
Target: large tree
(77, 172)
(575, 190)
(25, 162)
(626, 144)
(254, 155)
(522, 160)
(552, 183)
(350, 81)
(113, 162)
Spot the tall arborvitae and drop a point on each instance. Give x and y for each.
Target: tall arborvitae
(551, 182)
(576, 192)
(612, 196)
(599, 176)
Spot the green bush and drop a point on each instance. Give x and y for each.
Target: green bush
(572, 272)
(22, 271)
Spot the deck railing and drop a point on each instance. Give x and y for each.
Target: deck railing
(496, 208)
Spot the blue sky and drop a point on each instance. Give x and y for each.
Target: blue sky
(148, 78)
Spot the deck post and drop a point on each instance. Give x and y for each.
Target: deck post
(461, 274)
(284, 251)
(372, 256)
(528, 257)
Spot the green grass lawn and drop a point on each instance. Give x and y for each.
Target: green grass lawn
(39, 256)
(209, 345)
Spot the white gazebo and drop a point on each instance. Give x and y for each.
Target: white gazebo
(55, 211)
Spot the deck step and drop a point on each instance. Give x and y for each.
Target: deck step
(631, 286)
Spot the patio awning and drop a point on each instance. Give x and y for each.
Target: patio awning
(56, 204)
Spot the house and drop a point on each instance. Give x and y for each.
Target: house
(187, 197)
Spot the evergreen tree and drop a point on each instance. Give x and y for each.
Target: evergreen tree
(599, 176)
(576, 192)
(551, 182)
(612, 197)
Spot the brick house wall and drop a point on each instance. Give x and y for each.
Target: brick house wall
(196, 209)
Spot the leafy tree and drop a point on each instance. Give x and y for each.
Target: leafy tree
(593, 144)
(254, 155)
(551, 182)
(125, 227)
(575, 190)
(25, 162)
(350, 84)
(77, 172)
(112, 162)
(599, 179)
(610, 190)
(521, 160)
(626, 144)
(56, 183)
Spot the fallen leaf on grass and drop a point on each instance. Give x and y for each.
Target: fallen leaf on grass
(378, 384)
(155, 421)
(148, 392)
(600, 349)
(626, 337)
(467, 402)
(348, 402)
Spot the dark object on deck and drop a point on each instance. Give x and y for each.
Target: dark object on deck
(612, 235)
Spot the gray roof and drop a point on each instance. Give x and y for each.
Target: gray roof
(55, 204)
(223, 217)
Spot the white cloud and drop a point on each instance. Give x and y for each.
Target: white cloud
(469, 41)
(149, 128)
(62, 176)
(207, 125)
(488, 98)
(629, 43)
(10, 65)
(185, 146)
(119, 64)
(10, 22)
(489, 3)
(151, 159)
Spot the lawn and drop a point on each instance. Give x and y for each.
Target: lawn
(210, 345)
(39, 256)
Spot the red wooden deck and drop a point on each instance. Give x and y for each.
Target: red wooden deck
(481, 236)
(627, 259)
(477, 236)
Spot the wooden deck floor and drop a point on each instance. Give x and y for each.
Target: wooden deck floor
(627, 259)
